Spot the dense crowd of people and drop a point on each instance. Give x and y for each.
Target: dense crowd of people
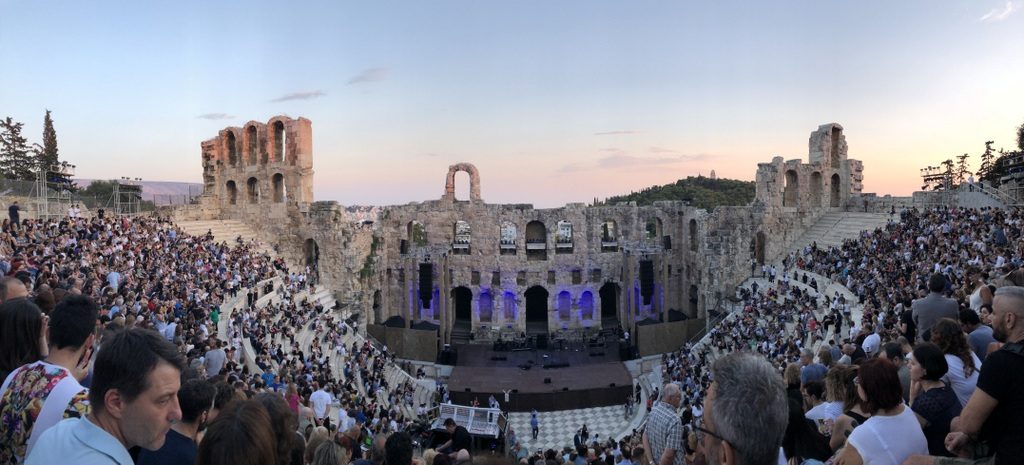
(112, 323)
(142, 275)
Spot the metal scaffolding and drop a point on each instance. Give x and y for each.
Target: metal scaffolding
(127, 196)
(52, 190)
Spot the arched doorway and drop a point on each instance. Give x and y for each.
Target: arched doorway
(252, 189)
(587, 306)
(232, 192)
(232, 144)
(279, 136)
(463, 300)
(536, 310)
(693, 302)
(279, 189)
(536, 241)
(253, 140)
(564, 306)
(834, 188)
(609, 294)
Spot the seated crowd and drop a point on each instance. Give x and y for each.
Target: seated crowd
(928, 373)
(72, 286)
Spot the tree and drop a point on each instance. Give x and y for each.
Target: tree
(1020, 137)
(99, 189)
(16, 158)
(48, 152)
(961, 168)
(986, 161)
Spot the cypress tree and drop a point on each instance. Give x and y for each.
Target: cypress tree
(48, 154)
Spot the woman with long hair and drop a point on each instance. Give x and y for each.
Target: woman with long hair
(839, 387)
(22, 335)
(892, 434)
(963, 364)
(241, 435)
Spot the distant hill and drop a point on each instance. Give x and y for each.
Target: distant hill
(699, 191)
(158, 188)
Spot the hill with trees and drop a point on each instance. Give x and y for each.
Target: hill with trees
(698, 191)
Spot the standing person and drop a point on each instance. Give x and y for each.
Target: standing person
(133, 399)
(735, 433)
(321, 401)
(214, 358)
(181, 447)
(930, 309)
(663, 438)
(40, 394)
(534, 423)
(14, 212)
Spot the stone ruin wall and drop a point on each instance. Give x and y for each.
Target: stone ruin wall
(372, 271)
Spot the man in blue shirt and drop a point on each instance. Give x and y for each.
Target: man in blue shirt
(134, 399)
(180, 448)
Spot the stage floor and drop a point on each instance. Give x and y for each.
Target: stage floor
(588, 381)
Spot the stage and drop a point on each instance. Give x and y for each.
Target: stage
(583, 378)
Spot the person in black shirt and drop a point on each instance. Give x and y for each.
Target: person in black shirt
(14, 211)
(995, 412)
(460, 439)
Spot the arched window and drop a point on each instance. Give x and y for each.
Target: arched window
(253, 137)
(486, 307)
(693, 235)
(232, 146)
(232, 192)
(279, 141)
(536, 241)
(253, 190)
(279, 188)
(587, 305)
(563, 237)
(791, 194)
(461, 241)
(564, 306)
(507, 240)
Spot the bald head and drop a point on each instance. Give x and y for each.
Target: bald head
(12, 288)
(1008, 314)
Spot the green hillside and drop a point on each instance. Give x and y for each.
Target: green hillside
(699, 191)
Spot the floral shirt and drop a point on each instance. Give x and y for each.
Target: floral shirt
(27, 390)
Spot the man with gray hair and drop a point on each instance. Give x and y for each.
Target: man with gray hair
(745, 412)
(663, 438)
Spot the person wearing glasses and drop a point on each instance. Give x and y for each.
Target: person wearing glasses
(745, 412)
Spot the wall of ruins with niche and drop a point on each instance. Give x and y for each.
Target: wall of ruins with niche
(493, 254)
(579, 256)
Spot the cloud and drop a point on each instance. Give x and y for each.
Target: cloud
(654, 149)
(300, 96)
(616, 133)
(997, 14)
(214, 116)
(370, 75)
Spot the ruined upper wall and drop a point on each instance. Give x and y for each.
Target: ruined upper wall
(827, 181)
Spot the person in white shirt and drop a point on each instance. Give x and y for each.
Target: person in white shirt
(321, 401)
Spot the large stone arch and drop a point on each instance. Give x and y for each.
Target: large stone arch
(474, 181)
(252, 144)
(231, 147)
(835, 190)
(277, 139)
(817, 189)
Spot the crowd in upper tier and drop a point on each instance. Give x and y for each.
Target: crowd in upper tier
(923, 363)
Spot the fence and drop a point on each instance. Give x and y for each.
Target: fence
(18, 188)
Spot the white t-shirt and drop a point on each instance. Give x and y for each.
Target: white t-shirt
(320, 400)
(962, 386)
(889, 439)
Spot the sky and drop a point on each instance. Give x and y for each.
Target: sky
(553, 101)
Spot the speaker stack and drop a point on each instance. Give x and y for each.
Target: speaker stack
(647, 280)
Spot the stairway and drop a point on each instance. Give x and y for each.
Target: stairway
(835, 227)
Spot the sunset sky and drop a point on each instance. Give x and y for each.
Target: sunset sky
(553, 101)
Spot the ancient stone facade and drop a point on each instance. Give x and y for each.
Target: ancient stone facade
(826, 181)
(514, 266)
(466, 265)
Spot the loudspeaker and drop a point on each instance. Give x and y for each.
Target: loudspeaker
(547, 380)
(647, 280)
(426, 283)
(542, 341)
